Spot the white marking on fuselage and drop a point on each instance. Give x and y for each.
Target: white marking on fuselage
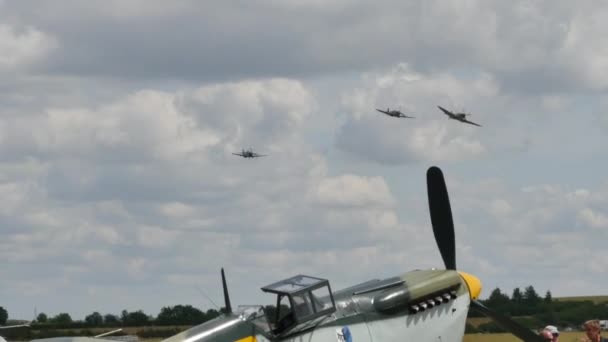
(212, 331)
(444, 322)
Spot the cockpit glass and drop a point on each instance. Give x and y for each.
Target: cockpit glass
(321, 299)
(294, 284)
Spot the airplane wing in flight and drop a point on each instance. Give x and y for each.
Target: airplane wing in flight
(446, 112)
(470, 122)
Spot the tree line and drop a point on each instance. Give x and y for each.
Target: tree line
(530, 309)
(170, 315)
(526, 306)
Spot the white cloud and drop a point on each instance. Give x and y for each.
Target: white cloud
(156, 237)
(353, 191)
(177, 210)
(593, 219)
(116, 147)
(22, 47)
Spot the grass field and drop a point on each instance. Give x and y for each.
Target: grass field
(477, 321)
(564, 337)
(594, 299)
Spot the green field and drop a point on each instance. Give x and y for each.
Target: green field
(594, 299)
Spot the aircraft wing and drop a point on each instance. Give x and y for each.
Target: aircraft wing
(72, 339)
(382, 111)
(446, 112)
(7, 327)
(255, 155)
(470, 122)
(239, 154)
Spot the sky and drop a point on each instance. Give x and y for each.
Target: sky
(118, 120)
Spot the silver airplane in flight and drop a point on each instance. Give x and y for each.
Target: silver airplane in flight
(458, 116)
(249, 154)
(394, 113)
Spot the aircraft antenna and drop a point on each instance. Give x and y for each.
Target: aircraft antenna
(209, 299)
(226, 297)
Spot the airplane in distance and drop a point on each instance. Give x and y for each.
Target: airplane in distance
(458, 116)
(420, 305)
(249, 154)
(394, 113)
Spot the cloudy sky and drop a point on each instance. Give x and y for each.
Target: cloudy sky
(118, 120)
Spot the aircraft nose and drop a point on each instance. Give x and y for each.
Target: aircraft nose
(473, 283)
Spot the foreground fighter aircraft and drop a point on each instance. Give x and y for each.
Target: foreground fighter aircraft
(249, 154)
(420, 305)
(394, 113)
(457, 116)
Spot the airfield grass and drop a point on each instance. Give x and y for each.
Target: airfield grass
(573, 336)
(594, 299)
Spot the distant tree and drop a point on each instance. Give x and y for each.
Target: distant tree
(62, 318)
(3, 316)
(180, 314)
(531, 298)
(497, 298)
(548, 298)
(211, 314)
(136, 318)
(42, 318)
(110, 319)
(517, 297)
(95, 319)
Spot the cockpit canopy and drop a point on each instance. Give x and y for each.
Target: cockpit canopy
(300, 299)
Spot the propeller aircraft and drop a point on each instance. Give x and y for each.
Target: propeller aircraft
(421, 305)
(249, 154)
(458, 116)
(394, 113)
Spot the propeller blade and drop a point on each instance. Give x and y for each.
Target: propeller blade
(441, 216)
(226, 297)
(507, 323)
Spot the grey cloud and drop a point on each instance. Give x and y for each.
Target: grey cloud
(523, 44)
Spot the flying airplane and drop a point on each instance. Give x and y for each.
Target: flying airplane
(394, 113)
(458, 116)
(420, 305)
(249, 154)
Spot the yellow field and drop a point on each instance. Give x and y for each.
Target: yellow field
(477, 321)
(564, 337)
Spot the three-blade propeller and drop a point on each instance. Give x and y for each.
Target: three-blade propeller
(443, 229)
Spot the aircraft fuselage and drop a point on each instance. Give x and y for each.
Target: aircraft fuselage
(374, 311)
